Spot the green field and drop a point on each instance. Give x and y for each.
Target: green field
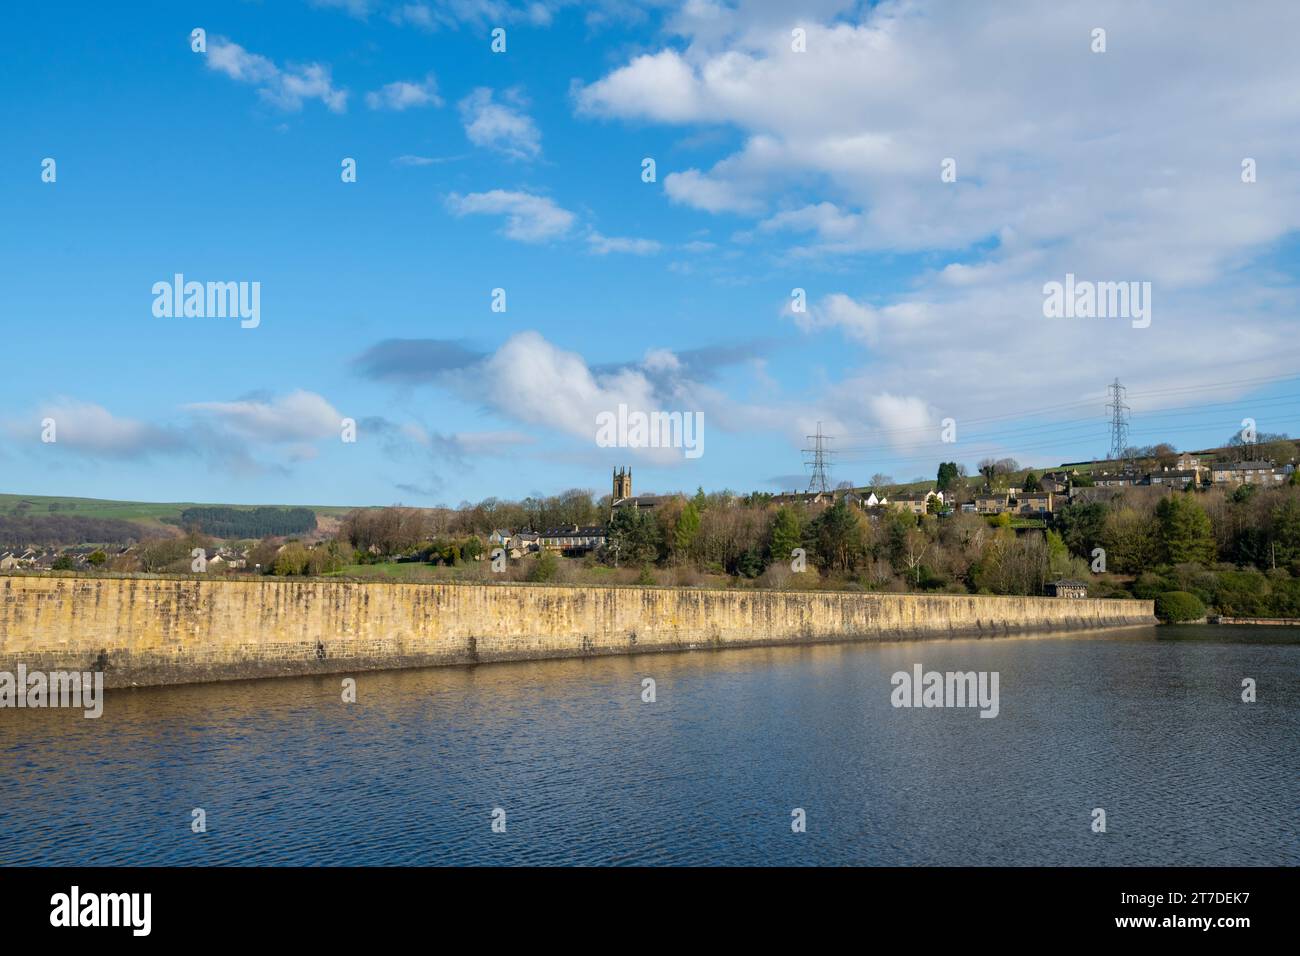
(133, 510)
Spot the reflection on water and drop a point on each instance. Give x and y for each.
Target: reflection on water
(1144, 724)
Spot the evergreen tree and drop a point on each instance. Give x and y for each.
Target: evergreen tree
(1286, 533)
(1185, 532)
(687, 528)
(786, 535)
(633, 536)
(947, 475)
(836, 537)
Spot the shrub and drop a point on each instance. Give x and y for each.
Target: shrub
(544, 567)
(1173, 607)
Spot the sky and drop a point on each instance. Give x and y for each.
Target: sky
(854, 213)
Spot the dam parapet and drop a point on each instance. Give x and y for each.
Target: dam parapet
(143, 631)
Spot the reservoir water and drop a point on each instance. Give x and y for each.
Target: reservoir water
(1147, 724)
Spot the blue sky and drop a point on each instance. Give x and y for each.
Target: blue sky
(776, 169)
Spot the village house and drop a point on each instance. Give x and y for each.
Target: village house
(991, 502)
(515, 543)
(917, 504)
(1124, 479)
(1034, 502)
(1176, 478)
(573, 539)
(18, 558)
(1057, 482)
(1232, 473)
(525, 542)
(852, 496)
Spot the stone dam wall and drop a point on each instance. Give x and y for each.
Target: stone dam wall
(160, 631)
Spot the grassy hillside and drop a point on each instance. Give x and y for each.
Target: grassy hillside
(147, 514)
(136, 510)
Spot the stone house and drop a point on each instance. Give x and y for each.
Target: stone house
(1066, 589)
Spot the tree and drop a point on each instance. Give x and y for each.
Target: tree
(292, 559)
(1131, 539)
(687, 528)
(1081, 526)
(1012, 564)
(222, 522)
(1185, 533)
(992, 468)
(633, 536)
(1058, 555)
(836, 537)
(785, 534)
(912, 549)
(545, 567)
(261, 557)
(1286, 533)
(947, 475)
(1175, 606)
(1031, 482)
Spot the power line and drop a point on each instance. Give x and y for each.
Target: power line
(818, 481)
(1088, 403)
(1065, 427)
(1118, 421)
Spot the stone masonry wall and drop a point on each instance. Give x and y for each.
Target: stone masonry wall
(160, 631)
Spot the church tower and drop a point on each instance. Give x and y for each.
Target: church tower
(622, 483)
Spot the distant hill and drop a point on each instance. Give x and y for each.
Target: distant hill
(53, 520)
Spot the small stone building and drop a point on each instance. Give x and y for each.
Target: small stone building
(1067, 589)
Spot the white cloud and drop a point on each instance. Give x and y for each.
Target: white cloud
(297, 417)
(356, 8)
(416, 14)
(660, 86)
(869, 112)
(693, 188)
(538, 384)
(500, 125)
(403, 95)
(541, 384)
(93, 430)
(450, 14)
(603, 245)
(1067, 161)
(529, 218)
(285, 89)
